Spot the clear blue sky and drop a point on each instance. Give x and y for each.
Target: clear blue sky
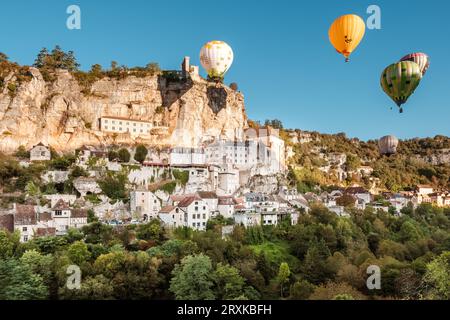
(284, 63)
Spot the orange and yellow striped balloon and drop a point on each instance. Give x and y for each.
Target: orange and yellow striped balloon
(346, 33)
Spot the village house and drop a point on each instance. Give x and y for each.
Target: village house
(269, 218)
(172, 216)
(363, 196)
(196, 212)
(145, 203)
(78, 218)
(61, 217)
(25, 221)
(226, 206)
(40, 152)
(120, 125)
(211, 200)
(54, 198)
(187, 156)
(86, 152)
(247, 218)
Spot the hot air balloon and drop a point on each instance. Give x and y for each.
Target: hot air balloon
(399, 81)
(216, 57)
(387, 145)
(420, 58)
(346, 33)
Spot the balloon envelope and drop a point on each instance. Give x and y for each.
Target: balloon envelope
(420, 58)
(388, 145)
(399, 81)
(216, 58)
(346, 33)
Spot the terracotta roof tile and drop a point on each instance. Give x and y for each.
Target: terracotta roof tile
(25, 215)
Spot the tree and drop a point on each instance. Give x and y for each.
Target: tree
(18, 282)
(78, 172)
(153, 68)
(234, 86)
(114, 65)
(315, 268)
(39, 264)
(336, 291)
(141, 153)
(56, 59)
(78, 252)
(9, 242)
(22, 153)
(124, 155)
(193, 279)
(353, 162)
(113, 186)
(229, 283)
(150, 231)
(91, 216)
(301, 290)
(275, 123)
(283, 276)
(92, 288)
(437, 277)
(96, 70)
(3, 57)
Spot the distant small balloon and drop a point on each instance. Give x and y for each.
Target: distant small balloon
(387, 145)
(420, 58)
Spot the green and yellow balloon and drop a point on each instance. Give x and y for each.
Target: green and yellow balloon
(400, 80)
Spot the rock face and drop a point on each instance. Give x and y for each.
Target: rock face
(59, 114)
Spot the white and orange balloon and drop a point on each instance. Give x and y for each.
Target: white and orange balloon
(216, 58)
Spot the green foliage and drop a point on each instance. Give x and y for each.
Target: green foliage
(283, 276)
(114, 186)
(18, 282)
(438, 277)
(193, 279)
(141, 153)
(182, 176)
(228, 282)
(168, 187)
(22, 153)
(124, 155)
(275, 123)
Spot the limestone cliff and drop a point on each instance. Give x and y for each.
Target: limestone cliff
(62, 115)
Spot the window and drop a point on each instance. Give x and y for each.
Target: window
(58, 213)
(204, 216)
(24, 229)
(25, 238)
(196, 208)
(198, 216)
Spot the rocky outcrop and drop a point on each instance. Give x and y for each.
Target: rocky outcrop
(62, 115)
(438, 158)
